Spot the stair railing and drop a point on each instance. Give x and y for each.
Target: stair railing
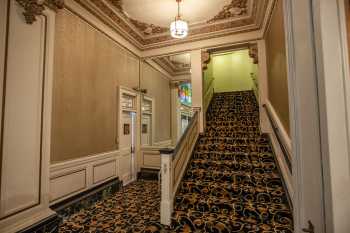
(173, 165)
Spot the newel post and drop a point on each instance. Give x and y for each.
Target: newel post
(167, 196)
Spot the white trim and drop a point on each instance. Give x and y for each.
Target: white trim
(65, 175)
(37, 213)
(305, 115)
(334, 89)
(346, 62)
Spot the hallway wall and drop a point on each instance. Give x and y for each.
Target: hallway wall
(88, 69)
(232, 71)
(277, 66)
(158, 86)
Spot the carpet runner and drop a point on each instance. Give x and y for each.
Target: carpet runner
(232, 183)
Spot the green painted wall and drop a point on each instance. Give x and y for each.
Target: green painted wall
(232, 71)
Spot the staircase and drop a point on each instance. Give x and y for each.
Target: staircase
(232, 183)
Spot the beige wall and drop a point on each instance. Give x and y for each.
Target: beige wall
(88, 68)
(158, 87)
(277, 66)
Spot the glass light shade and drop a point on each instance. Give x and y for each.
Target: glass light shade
(179, 29)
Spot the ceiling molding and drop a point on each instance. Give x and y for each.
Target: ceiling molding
(172, 67)
(155, 66)
(238, 17)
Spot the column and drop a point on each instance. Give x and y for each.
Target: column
(197, 85)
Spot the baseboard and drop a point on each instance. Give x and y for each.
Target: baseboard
(50, 224)
(70, 178)
(283, 162)
(148, 174)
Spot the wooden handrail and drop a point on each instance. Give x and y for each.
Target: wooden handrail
(276, 130)
(182, 138)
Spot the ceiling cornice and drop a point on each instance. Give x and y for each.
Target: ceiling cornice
(110, 12)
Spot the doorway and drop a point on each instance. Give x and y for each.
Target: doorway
(127, 135)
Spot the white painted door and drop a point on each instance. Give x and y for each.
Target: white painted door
(146, 126)
(127, 147)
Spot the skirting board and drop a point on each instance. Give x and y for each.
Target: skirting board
(70, 178)
(287, 176)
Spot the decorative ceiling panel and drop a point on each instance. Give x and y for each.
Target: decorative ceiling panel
(175, 65)
(146, 23)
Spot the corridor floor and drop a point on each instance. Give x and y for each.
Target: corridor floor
(135, 208)
(232, 184)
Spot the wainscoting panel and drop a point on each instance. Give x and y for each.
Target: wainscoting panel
(103, 171)
(72, 177)
(67, 184)
(150, 158)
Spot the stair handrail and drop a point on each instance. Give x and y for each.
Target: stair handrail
(173, 165)
(281, 142)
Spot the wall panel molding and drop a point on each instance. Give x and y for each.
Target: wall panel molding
(72, 177)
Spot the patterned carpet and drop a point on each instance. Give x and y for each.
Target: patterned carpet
(133, 209)
(232, 184)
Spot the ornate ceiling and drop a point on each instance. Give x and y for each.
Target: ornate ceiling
(145, 23)
(175, 65)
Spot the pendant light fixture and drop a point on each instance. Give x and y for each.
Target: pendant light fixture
(179, 27)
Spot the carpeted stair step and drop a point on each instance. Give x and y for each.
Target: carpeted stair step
(233, 141)
(235, 156)
(243, 148)
(247, 175)
(233, 166)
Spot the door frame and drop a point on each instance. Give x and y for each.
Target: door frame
(316, 52)
(135, 109)
(332, 55)
(153, 117)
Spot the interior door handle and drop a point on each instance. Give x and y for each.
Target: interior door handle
(310, 229)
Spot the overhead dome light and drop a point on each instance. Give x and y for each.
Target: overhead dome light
(179, 28)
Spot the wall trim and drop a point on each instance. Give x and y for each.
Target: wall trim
(91, 171)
